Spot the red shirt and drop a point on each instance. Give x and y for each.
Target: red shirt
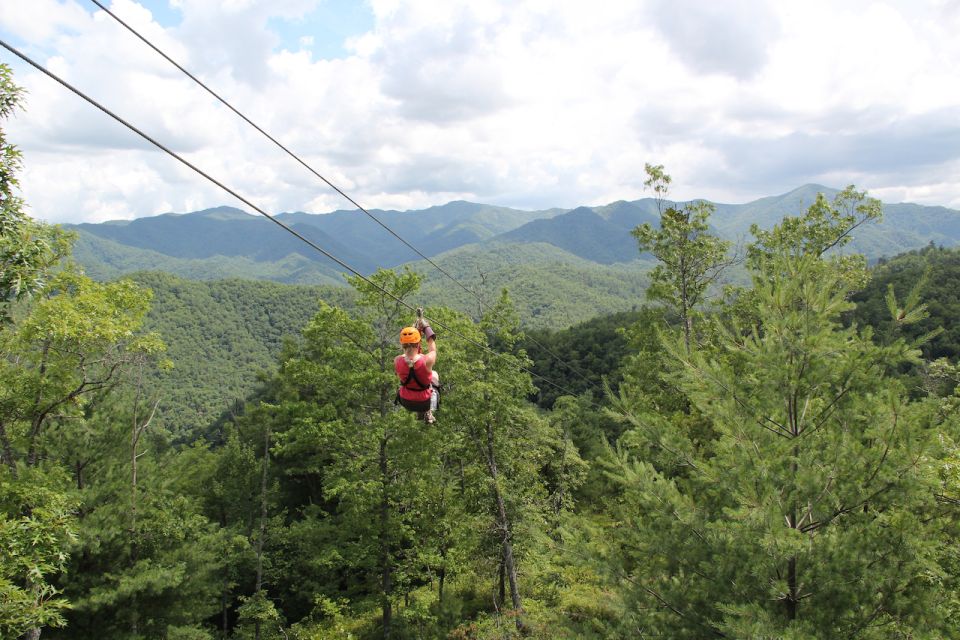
(421, 379)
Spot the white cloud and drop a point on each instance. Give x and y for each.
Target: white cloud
(535, 103)
(729, 37)
(43, 20)
(232, 38)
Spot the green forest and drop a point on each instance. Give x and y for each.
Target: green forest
(200, 460)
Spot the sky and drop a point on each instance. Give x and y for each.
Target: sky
(532, 104)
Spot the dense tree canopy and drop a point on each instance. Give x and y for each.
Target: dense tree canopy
(940, 293)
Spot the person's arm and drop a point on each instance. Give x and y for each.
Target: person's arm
(431, 357)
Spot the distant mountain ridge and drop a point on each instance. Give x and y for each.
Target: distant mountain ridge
(225, 241)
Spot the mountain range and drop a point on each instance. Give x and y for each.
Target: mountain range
(476, 241)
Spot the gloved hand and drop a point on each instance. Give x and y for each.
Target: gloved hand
(425, 328)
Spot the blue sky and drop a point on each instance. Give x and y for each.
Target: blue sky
(163, 12)
(328, 25)
(411, 103)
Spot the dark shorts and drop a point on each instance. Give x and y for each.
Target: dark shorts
(414, 405)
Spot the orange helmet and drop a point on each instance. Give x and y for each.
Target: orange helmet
(409, 335)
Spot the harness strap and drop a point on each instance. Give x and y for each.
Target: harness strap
(412, 377)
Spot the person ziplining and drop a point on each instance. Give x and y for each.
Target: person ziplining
(419, 384)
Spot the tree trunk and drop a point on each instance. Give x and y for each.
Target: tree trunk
(7, 451)
(79, 467)
(510, 566)
(34, 633)
(386, 569)
(223, 610)
(501, 581)
(792, 599)
(264, 480)
(134, 552)
(39, 417)
(225, 591)
(442, 576)
(136, 432)
(793, 590)
(503, 524)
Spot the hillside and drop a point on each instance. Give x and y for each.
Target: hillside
(221, 337)
(226, 242)
(904, 227)
(587, 233)
(941, 294)
(205, 244)
(432, 231)
(105, 259)
(550, 287)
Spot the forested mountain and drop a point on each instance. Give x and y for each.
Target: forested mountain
(222, 337)
(226, 242)
(549, 286)
(207, 244)
(602, 237)
(107, 260)
(432, 231)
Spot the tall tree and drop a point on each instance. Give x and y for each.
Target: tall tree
(505, 442)
(147, 562)
(690, 259)
(808, 514)
(28, 249)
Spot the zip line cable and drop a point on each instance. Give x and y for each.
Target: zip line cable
(247, 202)
(290, 153)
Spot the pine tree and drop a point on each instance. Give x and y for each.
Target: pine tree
(808, 511)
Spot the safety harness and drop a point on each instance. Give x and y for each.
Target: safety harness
(413, 383)
(412, 377)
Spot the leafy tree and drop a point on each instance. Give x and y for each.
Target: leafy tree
(355, 476)
(807, 513)
(690, 258)
(225, 483)
(72, 347)
(28, 249)
(36, 529)
(822, 232)
(505, 442)
(35, 523)
(75, 343)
